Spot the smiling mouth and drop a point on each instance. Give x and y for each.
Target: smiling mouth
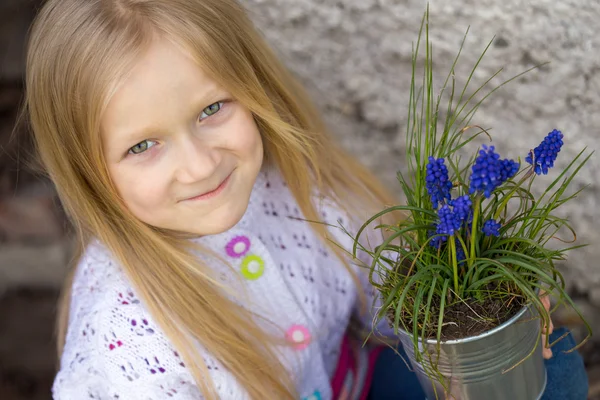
(212, 193)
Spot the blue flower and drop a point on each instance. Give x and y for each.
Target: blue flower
(509, 169)
(545, 154)
(489, 172)
(462, 208)
(437, 182)
(449, 223)
(460, 253)
(452, 217)
(491, 227)
(437, 241)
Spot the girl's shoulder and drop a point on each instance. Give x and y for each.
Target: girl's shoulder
(113, 348)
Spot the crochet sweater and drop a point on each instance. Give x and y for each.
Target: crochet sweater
(115, 350)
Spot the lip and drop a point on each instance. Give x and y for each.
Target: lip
(213, 193)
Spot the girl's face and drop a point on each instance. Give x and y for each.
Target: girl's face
(181, 152)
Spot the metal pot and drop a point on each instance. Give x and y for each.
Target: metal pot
(491, 366)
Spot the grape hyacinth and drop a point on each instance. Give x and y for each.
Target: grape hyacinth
(452, 217)
(462, 207)
(447, 226)
(545, 154)
(489, 172)
(448, 222)
(509, 169)
(491, 227)
(437, 241)
(460, 253)
(437, 182)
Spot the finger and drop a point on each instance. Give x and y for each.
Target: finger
(546, 352)
(547, 329)
(545, 299)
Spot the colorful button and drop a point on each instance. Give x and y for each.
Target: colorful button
(252, 267)
(238, 246)
(299, 335)
(315, 396)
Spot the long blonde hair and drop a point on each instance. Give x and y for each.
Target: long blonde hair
(79, 52)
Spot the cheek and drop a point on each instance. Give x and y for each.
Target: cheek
(253, 143)
(247, 140)
(143, 196)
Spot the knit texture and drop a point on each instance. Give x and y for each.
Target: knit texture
(115, 350)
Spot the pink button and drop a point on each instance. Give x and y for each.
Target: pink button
(238, 246)
(299, 336)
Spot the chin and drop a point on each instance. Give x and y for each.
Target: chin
(223, 225)
(219, 222)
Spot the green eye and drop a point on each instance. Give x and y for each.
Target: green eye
(141, 147)
(211, 110)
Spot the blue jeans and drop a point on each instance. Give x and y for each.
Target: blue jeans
(567, 378)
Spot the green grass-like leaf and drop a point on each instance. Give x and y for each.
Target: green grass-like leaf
(417, 282)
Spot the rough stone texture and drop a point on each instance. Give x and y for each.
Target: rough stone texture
(355, 58)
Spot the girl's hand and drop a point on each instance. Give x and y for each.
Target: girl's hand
(547, 352)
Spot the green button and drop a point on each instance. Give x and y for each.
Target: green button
(252, 267)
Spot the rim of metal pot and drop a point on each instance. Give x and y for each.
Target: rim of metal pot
(483, 335)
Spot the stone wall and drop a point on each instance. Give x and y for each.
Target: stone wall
(355, 58)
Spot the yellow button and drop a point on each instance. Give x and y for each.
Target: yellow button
(252, 267)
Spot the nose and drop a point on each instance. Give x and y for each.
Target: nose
(196, 160)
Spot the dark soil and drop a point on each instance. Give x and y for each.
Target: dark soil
(466, 317)
(469, 317)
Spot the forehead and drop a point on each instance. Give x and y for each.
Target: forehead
(167, 64)
(163, 80)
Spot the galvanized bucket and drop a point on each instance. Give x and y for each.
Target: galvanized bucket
(491, 366)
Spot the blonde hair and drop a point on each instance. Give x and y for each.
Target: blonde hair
(79, 52)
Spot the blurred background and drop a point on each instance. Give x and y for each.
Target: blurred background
(354, 57)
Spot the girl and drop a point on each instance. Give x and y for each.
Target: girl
(190, 161)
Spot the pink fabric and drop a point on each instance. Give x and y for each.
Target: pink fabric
(344, 383)
(345, 363)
